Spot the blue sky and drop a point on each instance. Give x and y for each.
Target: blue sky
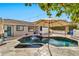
(19, 11)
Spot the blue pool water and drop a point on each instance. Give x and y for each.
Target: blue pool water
(56, 41)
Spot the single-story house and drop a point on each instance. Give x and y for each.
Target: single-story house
(10, 28)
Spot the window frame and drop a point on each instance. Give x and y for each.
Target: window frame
(18, 28)
(30, 28)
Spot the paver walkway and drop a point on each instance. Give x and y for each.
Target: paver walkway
(9, 50)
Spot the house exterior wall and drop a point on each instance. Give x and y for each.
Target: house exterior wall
(1, 28)
(19, 33)
(14, 30)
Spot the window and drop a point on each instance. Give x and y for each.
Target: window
(30, 29)
(19, 28)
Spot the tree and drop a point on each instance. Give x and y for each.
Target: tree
(47, 7)
(71, 9)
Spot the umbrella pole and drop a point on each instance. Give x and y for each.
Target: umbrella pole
(49, 37)
(49, 29)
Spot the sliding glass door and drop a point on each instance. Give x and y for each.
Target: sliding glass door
(8, 30)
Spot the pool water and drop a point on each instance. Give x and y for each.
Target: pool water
(62, 42)
(31, 40)
(56, 41)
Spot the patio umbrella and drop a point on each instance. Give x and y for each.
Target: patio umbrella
(53, 23)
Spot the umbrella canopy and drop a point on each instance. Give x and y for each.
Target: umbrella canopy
(53, 23)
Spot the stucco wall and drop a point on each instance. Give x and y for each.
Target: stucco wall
(13, 24)
(20, 33)
(1, 29)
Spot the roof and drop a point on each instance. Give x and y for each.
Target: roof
(41, 22)
(16, 22)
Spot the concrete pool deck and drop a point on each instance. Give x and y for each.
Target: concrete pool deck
(9, 50)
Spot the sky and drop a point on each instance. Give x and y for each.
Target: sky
(19, 11)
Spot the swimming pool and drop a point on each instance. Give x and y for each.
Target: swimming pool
(56, 41)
